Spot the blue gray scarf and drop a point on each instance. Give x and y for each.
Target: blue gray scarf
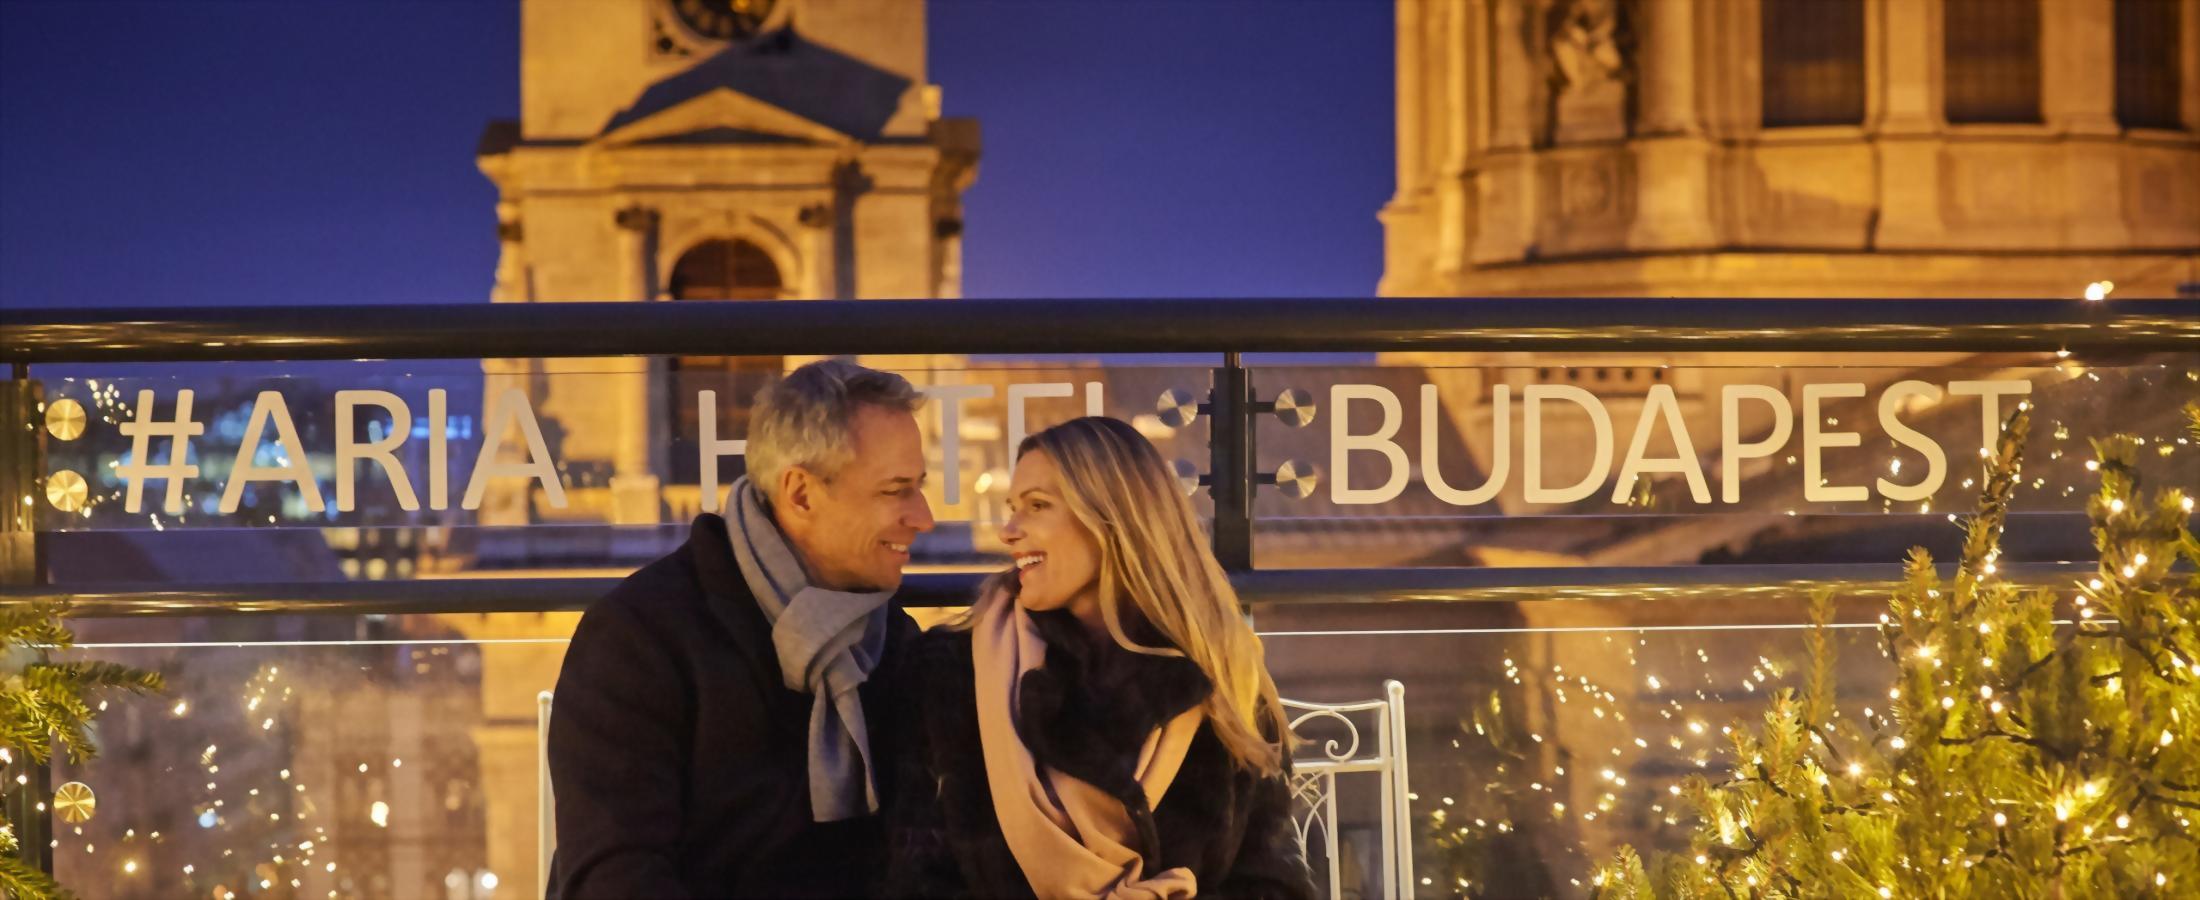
(828, 642)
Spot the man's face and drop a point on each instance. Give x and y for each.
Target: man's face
(855, 531)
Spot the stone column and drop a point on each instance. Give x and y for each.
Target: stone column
(505, 504)
(1455, 26)
(2189, 60)
(1909, 124)
(949, 232)
(635, 497)
(2078, 99)
(1672, 161)
(2077, 66)
(1505, 186)
(817, 251)
(511, 278)
(1411, 94)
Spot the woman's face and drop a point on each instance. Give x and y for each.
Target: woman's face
(1057, 560)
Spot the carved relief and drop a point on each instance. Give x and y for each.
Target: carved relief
(2161, 192)
(1585, 191)
(1590, 196)
(1590, 70)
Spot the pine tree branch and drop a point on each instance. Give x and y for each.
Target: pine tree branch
(2187, 804)
(21, 880)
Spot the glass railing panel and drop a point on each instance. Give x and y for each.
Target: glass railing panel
(1641, 462)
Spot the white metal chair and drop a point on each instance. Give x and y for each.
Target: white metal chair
(1314, 781)
(546, 839)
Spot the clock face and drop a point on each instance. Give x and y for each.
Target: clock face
(722, 20)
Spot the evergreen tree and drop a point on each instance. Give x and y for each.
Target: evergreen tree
(43, 703)
(2015, 757)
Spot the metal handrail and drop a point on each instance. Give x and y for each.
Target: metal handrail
(1845, 581)
(536, 330)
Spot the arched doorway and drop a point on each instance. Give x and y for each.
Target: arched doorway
(718, 270)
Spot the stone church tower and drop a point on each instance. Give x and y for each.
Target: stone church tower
(691, 150)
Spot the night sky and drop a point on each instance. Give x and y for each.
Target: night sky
(214, 152)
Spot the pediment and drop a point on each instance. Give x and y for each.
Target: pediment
(722, 115)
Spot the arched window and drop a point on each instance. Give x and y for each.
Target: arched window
(726, 270)
(1992, 60)
(2148, 77)
(718, 270)
(1813, 57)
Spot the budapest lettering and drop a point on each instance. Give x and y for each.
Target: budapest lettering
(1661, 413)
(511, 420)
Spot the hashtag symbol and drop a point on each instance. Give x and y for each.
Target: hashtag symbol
(142, 430)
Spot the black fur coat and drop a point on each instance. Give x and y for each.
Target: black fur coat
(1085, 713)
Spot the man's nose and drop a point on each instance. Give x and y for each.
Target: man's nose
(922, 520)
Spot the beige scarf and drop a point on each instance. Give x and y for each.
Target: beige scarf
(1071, 839)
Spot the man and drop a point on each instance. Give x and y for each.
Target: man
(709, 736)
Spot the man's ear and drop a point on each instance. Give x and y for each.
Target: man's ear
(798, 489)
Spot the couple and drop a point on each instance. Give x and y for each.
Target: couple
(750, 717)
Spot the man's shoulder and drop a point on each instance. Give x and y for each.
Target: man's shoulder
(665, 596)
(666, 581)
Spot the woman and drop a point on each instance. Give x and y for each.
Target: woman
(1101, 724)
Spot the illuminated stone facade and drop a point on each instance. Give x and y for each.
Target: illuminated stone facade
(1830, 148)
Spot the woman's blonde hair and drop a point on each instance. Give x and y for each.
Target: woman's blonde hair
(1153, 553)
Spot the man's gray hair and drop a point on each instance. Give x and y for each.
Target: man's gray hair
(807, 418)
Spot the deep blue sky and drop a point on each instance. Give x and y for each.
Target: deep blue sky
(212, 152)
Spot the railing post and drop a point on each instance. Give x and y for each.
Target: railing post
(22, 457)
(1230, 470)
